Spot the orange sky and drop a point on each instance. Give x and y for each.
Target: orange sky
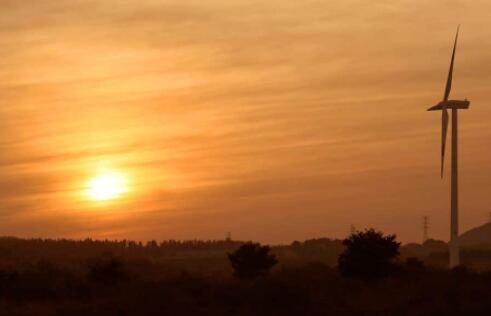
(274, 120)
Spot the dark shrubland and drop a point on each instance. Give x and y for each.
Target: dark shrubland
(196, 278)
(107, 269)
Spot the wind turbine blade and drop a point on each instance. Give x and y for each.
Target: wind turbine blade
(450, 71)
(444, 136)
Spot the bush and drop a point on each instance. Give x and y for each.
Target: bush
(369, 255)
(252, 260)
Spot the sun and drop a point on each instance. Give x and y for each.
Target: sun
(106, 186)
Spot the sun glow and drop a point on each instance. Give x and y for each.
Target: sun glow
(106, 186)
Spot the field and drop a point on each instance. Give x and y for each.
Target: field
(63, 277)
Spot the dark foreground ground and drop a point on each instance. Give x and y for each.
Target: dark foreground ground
(111, 287)
(47, 277)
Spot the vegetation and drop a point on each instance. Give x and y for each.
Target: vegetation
(252, 260)
(369, 255)
(65, 277)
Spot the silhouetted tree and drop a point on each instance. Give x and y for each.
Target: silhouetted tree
(252, 260)
(369, 255)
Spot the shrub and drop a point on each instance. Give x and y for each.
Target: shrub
(252, 260)
(369, 255)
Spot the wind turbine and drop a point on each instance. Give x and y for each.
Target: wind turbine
(443, 106)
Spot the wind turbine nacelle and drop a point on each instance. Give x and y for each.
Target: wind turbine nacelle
(451, 104)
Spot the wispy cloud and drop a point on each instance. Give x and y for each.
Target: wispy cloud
(236, 115)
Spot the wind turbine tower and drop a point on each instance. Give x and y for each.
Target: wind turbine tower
(444, 106)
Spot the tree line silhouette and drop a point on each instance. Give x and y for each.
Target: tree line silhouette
(367, 273)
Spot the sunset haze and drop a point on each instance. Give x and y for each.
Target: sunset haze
(273, 120)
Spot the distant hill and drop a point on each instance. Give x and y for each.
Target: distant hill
(423, 250)
(479, 236)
